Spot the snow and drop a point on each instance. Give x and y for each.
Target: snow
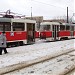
(56, 66)
(30, 52)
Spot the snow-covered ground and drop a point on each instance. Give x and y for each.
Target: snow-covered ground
(31, 52)
(57, 66)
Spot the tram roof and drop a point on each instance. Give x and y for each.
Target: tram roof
(56, 23)
(50, 23)
(69, 24)
(17, 20)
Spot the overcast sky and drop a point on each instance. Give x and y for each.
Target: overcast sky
(47, 8)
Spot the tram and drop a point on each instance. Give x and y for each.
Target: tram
(52, 31)
(19, 31)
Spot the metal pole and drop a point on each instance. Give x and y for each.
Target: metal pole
(31, 12)
(67, 15)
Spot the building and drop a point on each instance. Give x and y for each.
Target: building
(38, 19)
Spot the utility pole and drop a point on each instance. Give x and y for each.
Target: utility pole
(67, 15)
(31, 12)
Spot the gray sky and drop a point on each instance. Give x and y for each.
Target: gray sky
(47, 8)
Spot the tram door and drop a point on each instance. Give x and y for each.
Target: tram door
(72, 31)
(55, 29)
(30, 33)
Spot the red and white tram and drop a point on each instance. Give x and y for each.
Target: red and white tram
(51, 31)
(19, 31)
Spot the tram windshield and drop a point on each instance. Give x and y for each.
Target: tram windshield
(45, 28)
(5, 26)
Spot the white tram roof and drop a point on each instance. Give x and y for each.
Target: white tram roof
(17, 20)
(69, 24)
(50, 23)
(56, 23)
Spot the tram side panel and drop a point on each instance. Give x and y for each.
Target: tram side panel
(65, 31)
(64, 35)
(47, 35)
(16, 36)
(37, 36)
(74, 34)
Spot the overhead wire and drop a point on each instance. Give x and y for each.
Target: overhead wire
(51, 4)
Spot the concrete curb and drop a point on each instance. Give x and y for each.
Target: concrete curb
(31, 62)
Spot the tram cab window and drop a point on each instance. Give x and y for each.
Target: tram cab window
(67, 27)
(7, 26)
(45, 27)
(18, 26)
(62, 27)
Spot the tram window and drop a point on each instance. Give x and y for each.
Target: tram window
(7, 26)
(67, 27)
(57, 27)
(72, 28)
(62, 27)
(53, 28)
(1, 27)
(41, 27)
(46, 27)
(18, 26)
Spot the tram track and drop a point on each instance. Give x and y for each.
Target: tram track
(32, 62)
(72, 72)
(46, 69)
